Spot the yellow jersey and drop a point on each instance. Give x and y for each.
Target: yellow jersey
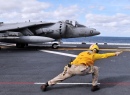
(88, 58)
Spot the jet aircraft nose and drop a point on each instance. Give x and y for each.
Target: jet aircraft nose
(94, 32)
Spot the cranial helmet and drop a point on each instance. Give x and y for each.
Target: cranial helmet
(94, 46)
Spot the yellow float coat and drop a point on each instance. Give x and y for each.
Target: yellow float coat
(88, 58)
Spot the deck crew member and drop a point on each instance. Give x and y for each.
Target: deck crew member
(83, 64)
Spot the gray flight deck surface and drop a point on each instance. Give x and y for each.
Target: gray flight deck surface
(21, 69)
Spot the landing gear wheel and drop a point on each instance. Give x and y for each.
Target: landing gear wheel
(55, 46)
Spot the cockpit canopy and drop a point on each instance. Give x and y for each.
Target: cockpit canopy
(74, 23)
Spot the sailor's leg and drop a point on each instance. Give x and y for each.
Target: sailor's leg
(59, 78)
(95, 74)
(64, 75)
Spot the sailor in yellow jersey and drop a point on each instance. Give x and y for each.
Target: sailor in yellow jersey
(83, 64)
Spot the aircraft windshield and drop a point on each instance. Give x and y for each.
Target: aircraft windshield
(74, 23)
(71, 22)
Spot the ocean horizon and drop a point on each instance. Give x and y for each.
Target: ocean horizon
(99, 39)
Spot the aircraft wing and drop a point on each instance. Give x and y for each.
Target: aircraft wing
(20, 33)
(13, 26)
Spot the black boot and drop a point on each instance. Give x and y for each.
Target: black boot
(44, 87)
(95, 88)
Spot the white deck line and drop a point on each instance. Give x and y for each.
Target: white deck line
(68, 83)
(123, 47)
(59, 53)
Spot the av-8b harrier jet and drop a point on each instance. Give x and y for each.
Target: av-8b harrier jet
(25, 33)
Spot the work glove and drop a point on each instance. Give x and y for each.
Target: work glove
(117, 53)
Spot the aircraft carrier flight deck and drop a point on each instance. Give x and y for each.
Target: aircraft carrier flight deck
(23, 71)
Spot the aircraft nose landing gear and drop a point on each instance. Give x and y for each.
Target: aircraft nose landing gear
(55, 46)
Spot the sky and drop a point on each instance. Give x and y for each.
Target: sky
(110, 17)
